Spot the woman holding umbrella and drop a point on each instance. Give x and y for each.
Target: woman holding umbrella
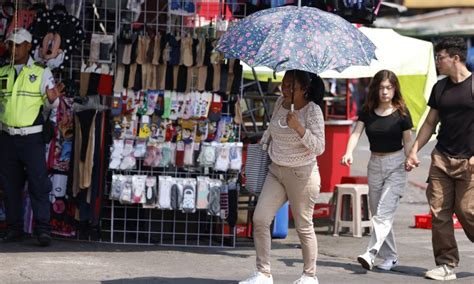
(294, 138)
(388, 124)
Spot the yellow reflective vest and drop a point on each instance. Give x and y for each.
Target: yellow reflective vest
(20, 98)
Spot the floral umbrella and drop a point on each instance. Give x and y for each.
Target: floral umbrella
(305, 38)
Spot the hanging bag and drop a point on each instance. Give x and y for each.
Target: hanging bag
(256, 167)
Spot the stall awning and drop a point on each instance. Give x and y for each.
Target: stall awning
(437, 3)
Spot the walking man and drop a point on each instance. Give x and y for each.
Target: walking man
(26, 89)
(451, 177)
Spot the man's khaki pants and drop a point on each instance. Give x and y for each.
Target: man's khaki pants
(299, 185)
(450, 190)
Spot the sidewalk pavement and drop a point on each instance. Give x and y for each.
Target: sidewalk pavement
(81, 262)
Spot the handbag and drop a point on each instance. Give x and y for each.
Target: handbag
(256, 167)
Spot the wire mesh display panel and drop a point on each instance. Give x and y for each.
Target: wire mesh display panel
(131, 223)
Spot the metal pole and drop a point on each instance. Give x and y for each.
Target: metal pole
(299, 3)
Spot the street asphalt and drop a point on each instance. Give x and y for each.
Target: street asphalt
(83, 262)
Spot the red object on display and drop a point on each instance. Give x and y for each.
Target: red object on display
(423, 221)
(211, 10)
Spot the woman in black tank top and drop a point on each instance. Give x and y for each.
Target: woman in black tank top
(388, 124)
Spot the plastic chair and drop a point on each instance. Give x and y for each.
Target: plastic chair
(357, 192)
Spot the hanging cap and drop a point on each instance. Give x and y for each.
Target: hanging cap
(19, 35)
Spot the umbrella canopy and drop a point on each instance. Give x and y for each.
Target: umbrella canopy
(289, 37)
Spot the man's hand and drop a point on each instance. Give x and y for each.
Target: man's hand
(55, 92)
(411, 162)
(471, 163)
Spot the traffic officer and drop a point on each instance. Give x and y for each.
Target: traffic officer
(27, 89)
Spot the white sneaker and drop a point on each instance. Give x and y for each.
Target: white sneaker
(388, 264)
(258, 278)
(441, 272)
(366, 260)
(305, 279)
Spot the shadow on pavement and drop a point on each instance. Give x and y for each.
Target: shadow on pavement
(164, 280)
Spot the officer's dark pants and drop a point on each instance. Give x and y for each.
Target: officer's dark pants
(23, 158)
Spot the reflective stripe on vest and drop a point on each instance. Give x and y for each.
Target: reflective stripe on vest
(20, 99)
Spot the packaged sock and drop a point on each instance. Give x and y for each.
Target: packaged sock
(158, 156)
(214, 207)
(235, 155)
(170, 131)
(179, 154)
(189, 197)
(211, 133)
(164, 192)
(174, 110)
(222, 159)
(140, 149)
(126, 195)
(173, 154)
(116, 107)
(175, 197)
(128, 147)
(202, 131)
(215, 108)
(207, 156)
(202, 201)
(166, 155)
(117, 187)
(180, 110)
(224, 202)
(150, 154)
(188, 106)
(160, 104)
(206, 100)
(233, 202)
(150, 192)
(189, 154)
(144, 131)
(128, 163)
(117, 148)
(167, 104)
(138, 191)
(142, 103)
(152, 97)
(196, 105)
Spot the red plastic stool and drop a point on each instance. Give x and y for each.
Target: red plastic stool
(354, 179)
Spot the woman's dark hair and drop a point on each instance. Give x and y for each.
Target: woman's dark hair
(453, 46)
(313, 84)
(372, 99)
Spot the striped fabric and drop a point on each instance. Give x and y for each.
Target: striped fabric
(256, 167)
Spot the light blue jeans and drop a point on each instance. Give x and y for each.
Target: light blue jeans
(387, 180)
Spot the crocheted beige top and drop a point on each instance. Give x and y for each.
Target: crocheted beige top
(285, 146)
